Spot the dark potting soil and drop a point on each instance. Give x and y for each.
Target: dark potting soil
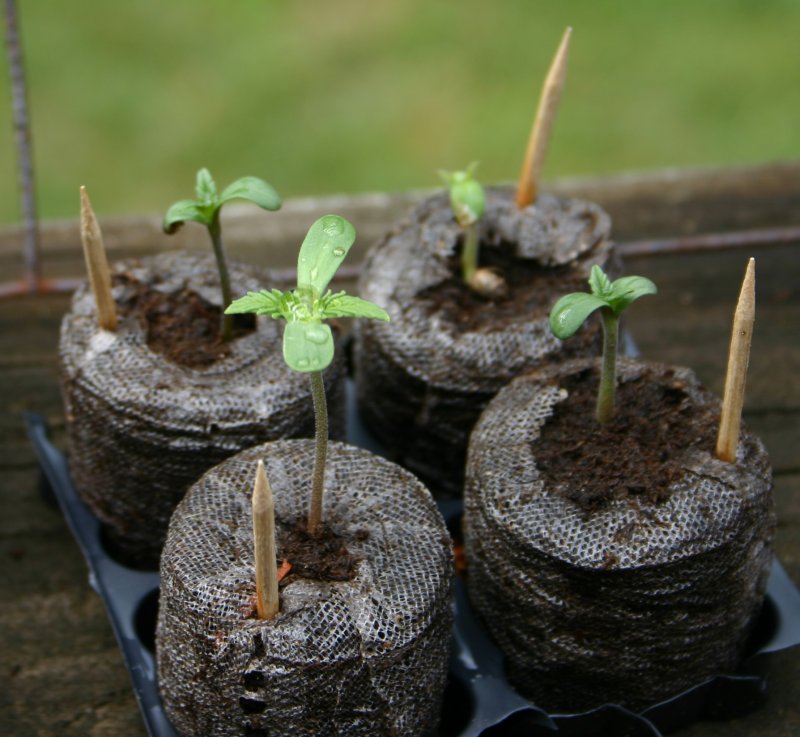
(181, 326)
(321, 557)
(635, 455)
(529, 290)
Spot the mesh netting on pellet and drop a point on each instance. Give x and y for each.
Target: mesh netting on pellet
(142, 429)
(424, 377)
(632, 602)
(364, 657)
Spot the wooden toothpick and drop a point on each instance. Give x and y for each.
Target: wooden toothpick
(529, 178)
(264, 541)
(97, 265)
(738, 358)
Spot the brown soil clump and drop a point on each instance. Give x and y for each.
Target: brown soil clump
(321, 557)
(637, 454)
(181, 326)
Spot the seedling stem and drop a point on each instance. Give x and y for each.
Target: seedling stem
(320, 451)
(215, 231)
(469, 254)
(608, 374)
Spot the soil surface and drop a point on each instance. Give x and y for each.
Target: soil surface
(181, 326)
(321, 557)
(635, 455)
(530, 290)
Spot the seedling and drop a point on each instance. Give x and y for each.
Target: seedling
(468, 202)
(307, 340)
(205, 210)
(611, 298)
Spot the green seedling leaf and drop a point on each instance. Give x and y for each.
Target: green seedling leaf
(467, 197)
(571, 311)
(254, 190)
(307, 341)
(181, 212)
(307, 346)
(599, 283)
(628, 289)
(205, 209)
(205, 188)
(272, 303)
(344, 305)
(611, 298)
(327, 243)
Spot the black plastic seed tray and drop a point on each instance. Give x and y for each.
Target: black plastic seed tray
(479, 701)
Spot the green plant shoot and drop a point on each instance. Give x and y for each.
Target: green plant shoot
(205, 210)
(307, 340)
(611, 298)
(468, 201)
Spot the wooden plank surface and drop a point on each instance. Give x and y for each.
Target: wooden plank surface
(60, 670)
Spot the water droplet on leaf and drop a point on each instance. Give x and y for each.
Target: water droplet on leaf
(338, 252)
(316, 335)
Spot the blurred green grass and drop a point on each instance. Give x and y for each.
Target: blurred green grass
(318, 97)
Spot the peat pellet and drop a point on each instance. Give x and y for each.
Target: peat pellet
(363, 655)
(424, 377)
(619, 563)
(154, 404)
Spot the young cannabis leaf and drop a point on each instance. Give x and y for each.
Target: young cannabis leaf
(611, 298)
(307, 340)
(205, 210)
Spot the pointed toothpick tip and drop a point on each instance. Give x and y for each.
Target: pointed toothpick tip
(738, 361)
(563, 46)
(541, 132)
(261, 483)
(94, 253)
(88, 218)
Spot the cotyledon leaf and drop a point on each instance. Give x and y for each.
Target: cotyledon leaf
(307, 346)
(627, 289)
(569, 313)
